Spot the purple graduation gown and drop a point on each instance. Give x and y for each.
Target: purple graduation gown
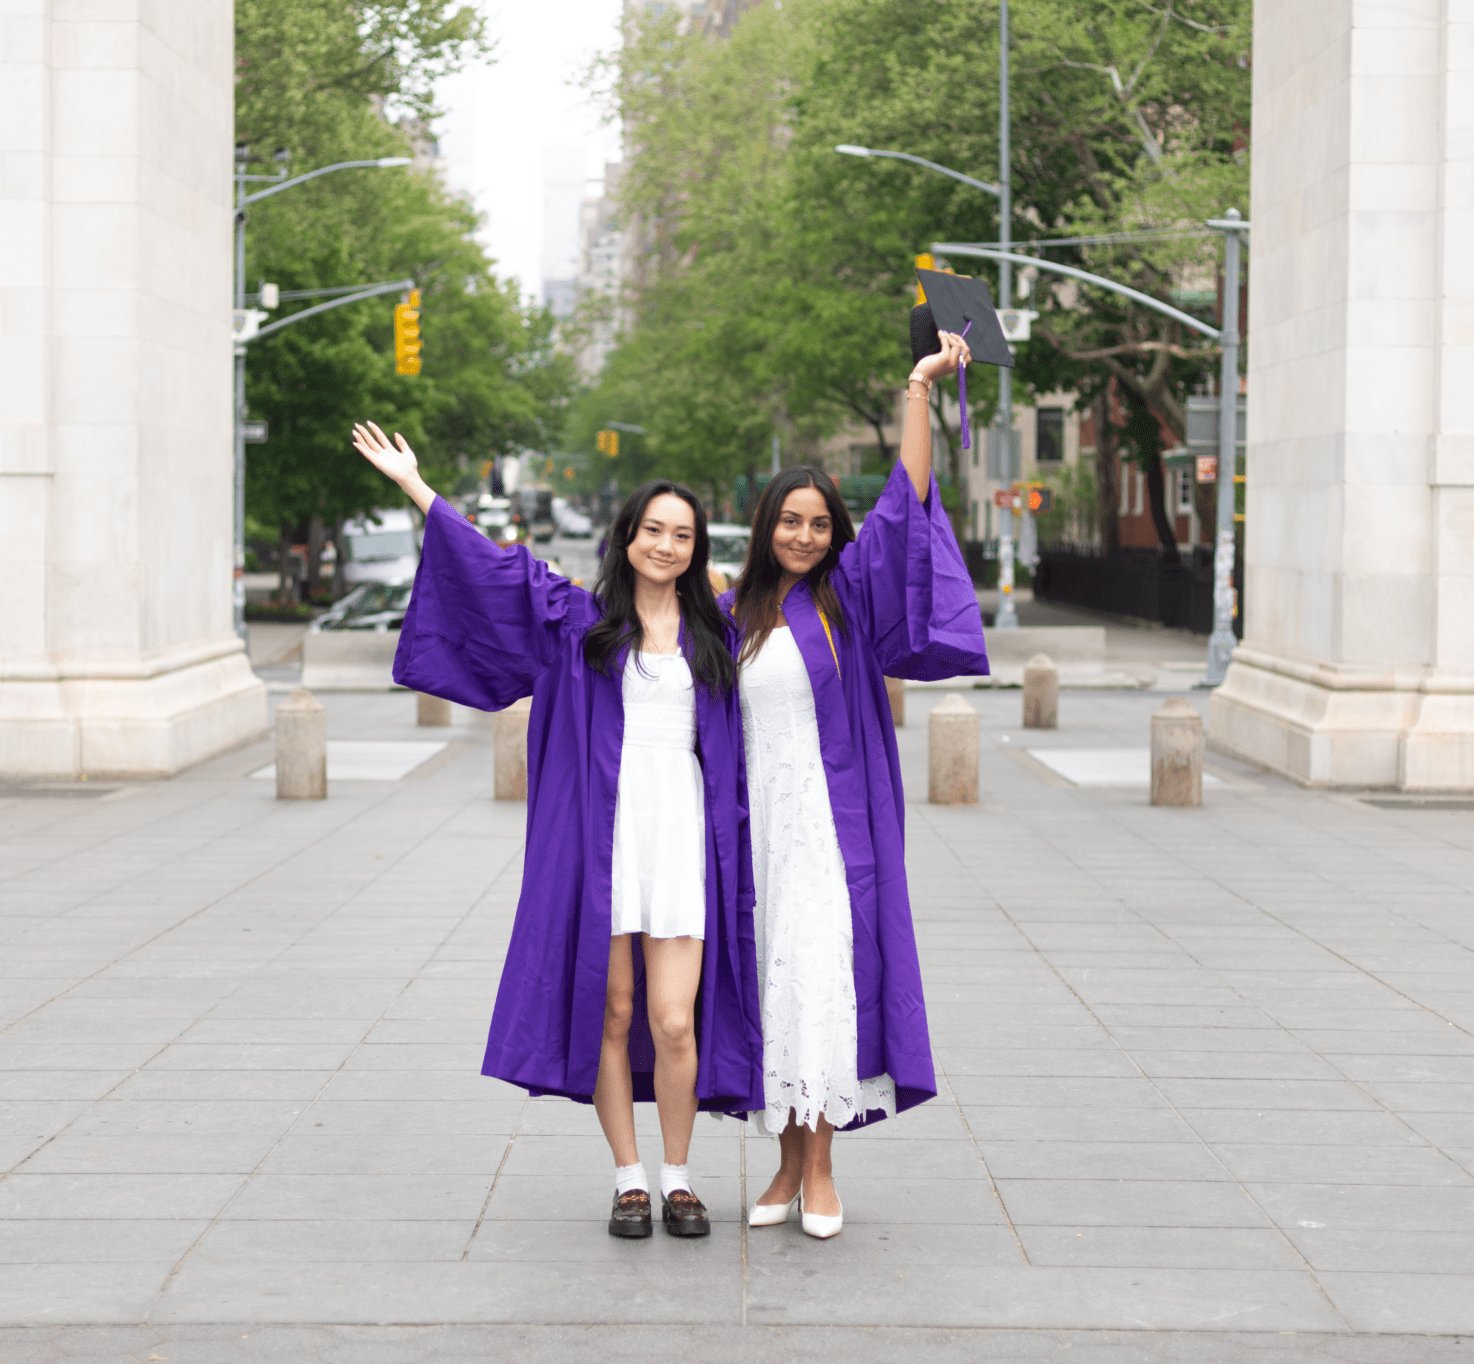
(485, 627)
(911, 610)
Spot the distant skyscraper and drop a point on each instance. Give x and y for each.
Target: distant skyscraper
(563, 184)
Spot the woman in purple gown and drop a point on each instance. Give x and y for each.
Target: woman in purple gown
(825, 618)
(630, 972)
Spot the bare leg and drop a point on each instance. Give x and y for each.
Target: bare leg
(672, 977)
(788, 1180)
(614, 1095)
(818, 1171)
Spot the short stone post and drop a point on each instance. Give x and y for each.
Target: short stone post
(1177, 755)
(431, 710)
(1041, 693)
(952, 753)
(301, 748)
(895, 691)
(509, 732)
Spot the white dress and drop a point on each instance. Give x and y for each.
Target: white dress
(805, 937)
(660, 813)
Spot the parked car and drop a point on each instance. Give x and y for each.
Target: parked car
(728, 549)
(572, 523)
(383, 547)
(370, 606)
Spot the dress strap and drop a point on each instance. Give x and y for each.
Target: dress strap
(824, 621)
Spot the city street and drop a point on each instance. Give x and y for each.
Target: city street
(1206, 1081)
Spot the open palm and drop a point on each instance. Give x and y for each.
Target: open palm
(394, 458)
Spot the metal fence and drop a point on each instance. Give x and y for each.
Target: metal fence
(1136, 582)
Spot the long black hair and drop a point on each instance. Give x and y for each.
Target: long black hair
(706, 644)
(756, 606)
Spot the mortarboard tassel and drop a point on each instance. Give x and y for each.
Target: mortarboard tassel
(962, 394)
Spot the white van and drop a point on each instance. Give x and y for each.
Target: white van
(383, 547)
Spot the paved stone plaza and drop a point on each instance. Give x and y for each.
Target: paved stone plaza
(1207, 1083)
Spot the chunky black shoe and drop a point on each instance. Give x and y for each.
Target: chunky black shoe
(684, 1214)
(630, 1215)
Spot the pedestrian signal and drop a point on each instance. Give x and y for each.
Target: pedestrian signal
(1041, 499)
(407, 335)
(609, 444)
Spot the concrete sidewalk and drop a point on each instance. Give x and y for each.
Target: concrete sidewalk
(1207, 1083)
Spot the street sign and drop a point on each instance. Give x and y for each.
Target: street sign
(1004, 497)
(1202, 424)
(1207, 469)
(255, 432)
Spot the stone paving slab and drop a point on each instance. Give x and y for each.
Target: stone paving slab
(1207, 1084)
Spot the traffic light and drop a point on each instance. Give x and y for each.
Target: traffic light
(609, 444)
(407, 335)
(1041, 499)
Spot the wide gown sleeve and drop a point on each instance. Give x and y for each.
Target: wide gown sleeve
(906, 589)
(483, 622)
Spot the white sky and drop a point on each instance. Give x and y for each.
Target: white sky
(502, 120)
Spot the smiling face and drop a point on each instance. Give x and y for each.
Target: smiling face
(664, 540)
(804, 531)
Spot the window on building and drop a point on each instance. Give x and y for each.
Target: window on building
(1049, 435)
(1185, 491)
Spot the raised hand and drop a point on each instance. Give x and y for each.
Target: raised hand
(395, 459)
(954, 354)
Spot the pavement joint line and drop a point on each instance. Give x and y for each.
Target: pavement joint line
(1324, 1058)
(742, 1188)
(501, 1165)
(307, 1107)
(1152, 1080)
(983, 1161)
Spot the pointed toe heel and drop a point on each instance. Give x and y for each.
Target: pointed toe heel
(818, 1226)
(770, 1214)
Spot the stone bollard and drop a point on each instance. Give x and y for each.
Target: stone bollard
(952, 753)
(431, 710)
(301, 748)
(509, 731)
(1041, 693)
(1177, 755)
(895, 691)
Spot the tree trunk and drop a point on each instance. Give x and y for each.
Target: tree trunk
(285, 581)
(1108, 492)
(317, 535)
(1156, 491)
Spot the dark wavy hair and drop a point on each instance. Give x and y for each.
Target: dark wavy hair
(756, 606)
(706, 643)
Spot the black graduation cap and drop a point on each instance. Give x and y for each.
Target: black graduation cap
(952, 302)
(961, 304)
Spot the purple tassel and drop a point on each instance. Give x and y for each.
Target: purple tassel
(962, 394)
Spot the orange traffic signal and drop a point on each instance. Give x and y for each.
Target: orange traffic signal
(609, 444)
(407, 335)
(1041, 499)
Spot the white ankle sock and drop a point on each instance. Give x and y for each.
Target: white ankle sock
(673, 1177)
(627, 1177)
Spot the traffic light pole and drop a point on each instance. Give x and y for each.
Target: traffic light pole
(1006, 617)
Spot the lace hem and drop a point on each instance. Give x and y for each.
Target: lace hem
(840, 1109)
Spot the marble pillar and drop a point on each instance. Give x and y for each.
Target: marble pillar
(1357, 666)
(117, 655)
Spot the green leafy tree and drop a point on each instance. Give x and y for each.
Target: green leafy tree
(316, 76)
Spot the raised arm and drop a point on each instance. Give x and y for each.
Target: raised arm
(916, 433)
(396, 460)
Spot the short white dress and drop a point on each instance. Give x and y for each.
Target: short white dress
(805, 936)
(660, 812)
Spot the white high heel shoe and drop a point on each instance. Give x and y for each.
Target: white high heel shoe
(818, 1225)
(770, 1214)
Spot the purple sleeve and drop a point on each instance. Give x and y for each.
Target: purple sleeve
(906, 590)
(483, 622)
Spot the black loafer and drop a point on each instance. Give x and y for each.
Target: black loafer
(630, 1215)
(684, 1214)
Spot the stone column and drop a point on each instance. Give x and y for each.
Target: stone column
(1357, 667)
(117, 654)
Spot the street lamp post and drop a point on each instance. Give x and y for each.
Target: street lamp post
(1222, 641)
(242, 201)
(1006, 617)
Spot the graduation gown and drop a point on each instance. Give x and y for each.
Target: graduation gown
(485, 627)
(912, 612)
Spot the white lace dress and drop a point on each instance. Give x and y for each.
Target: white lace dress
(805, 937)
(660, 813)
